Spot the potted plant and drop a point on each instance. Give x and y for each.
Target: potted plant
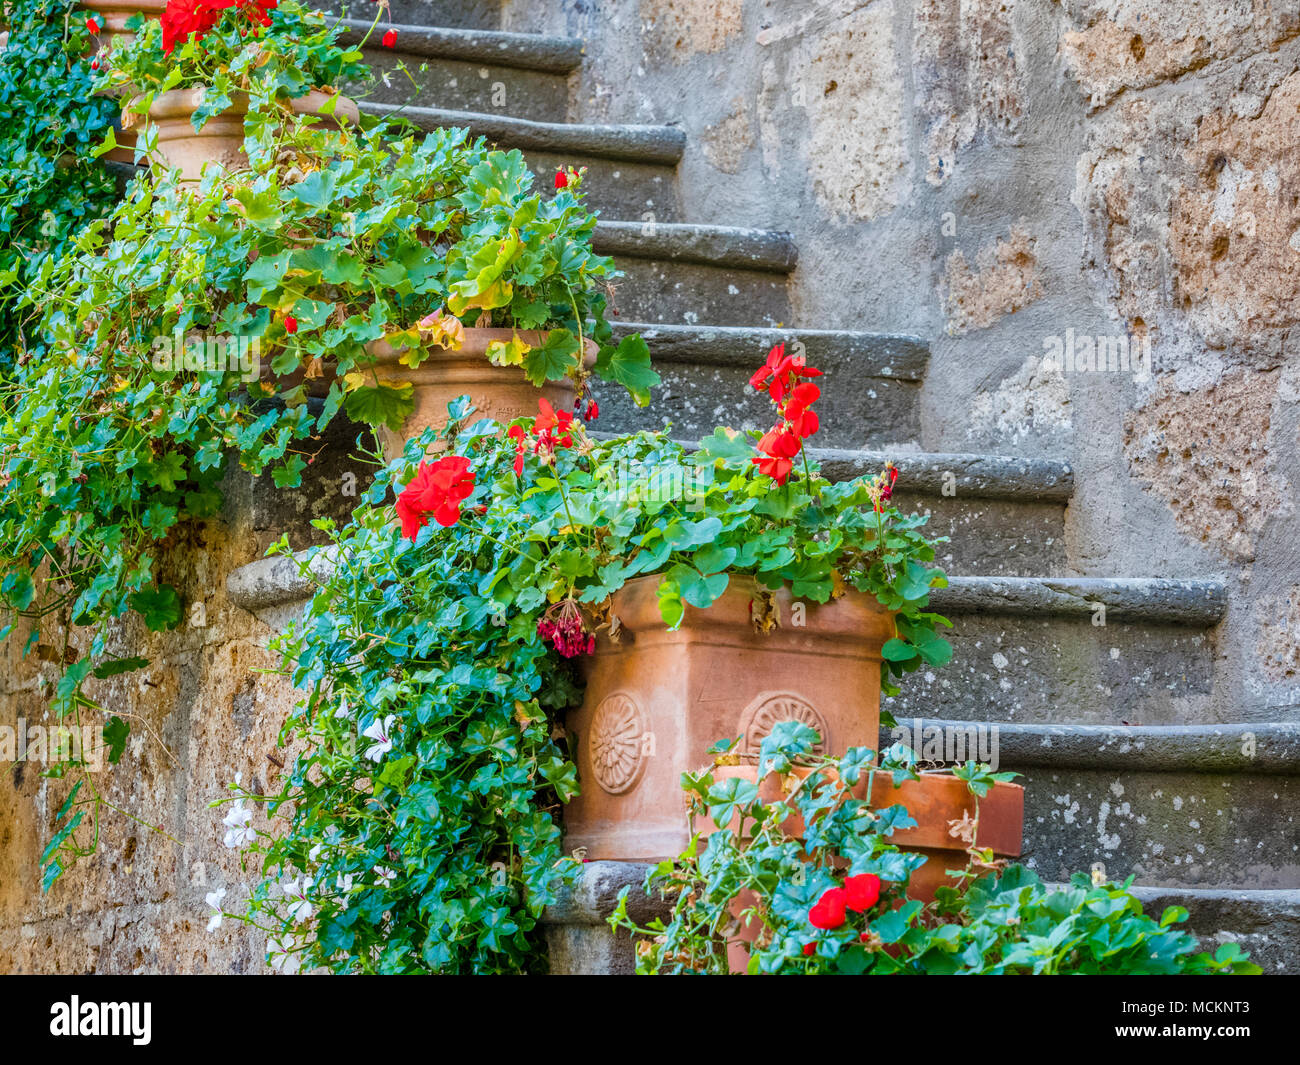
(775, 594)
(450, 645)
(186, 77)
(809, 877)
(248, 293)
(950, 812)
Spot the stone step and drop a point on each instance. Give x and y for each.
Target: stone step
(1072, 649)
(1202, 806)
(1003, 516)
(524, 75)
(679, 273)
(631, 169)
(466, 14)
(1265, 923)
(870, 387)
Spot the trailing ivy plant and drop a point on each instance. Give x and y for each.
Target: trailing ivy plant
(50, 124)
(417, 830)
(190, 328)
(276, 49)
(832, 898)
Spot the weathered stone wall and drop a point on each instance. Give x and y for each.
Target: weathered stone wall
(202, 711)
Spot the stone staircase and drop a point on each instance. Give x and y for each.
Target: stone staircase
(1102, 688)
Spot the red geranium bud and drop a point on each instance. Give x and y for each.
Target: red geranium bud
(92, 25)
(561, 179)
(828, 912)
(592, 412)
(861, 892)
(94, 63)
(809, 949)
(390, 39)
(290, 324)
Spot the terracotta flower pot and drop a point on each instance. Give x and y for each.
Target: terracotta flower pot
(221, 140)
(499, 392)
(657, 700)
(934, 801)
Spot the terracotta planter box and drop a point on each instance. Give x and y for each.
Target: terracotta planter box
(935, 800)
(657, 700)
(499, 392)
(221, 140)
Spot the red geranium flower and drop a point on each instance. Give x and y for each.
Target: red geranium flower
(809, 949)
(861, 892)
(551, 423)
(182, 19)
(781, 373)
(438, 489)
(828, 912)
(390, 39)
(553, 430)
(561, 179)
(561, 626)
(92, 25)
(290, 324)
(779, 446)
(798, 409)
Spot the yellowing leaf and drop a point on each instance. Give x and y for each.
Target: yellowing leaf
(497, 294)
(507, 353)
(445, 330)
(353, 381)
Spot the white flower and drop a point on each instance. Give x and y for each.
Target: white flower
(386, 875)
(213, 899)
(238, 821)
(344, 883)
(379, 732)
(284, 957)
(300, 909)
(314, 854)
(344, 710)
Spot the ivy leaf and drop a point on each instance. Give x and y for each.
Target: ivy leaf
(115, 736)
(896, 650)
(288, 474)
(728, 797)
(727, 447)
(554, 358)
(316, 189)
(260, 208)
(166, 471)
(106, 145)
(115, 666)
(629, 365)
(160, 607)
(387, 403)
(19, 589)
